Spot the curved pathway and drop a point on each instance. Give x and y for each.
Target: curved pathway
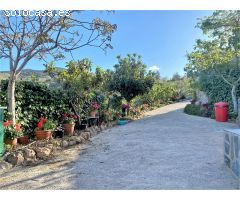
(165, 150)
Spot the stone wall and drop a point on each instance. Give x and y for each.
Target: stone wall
(41, 150)
(232, 151)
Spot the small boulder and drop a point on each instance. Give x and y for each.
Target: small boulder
(79, 140)
(86, 135)
(42, 152)
(40, 143)
(29, 161)
(72, 142)
(50, 146)
(56, 142)
(5, 165)
(64, 144)
(29, 153)
(82, 139)
(15, 158)
(102, 127)
(98, 129)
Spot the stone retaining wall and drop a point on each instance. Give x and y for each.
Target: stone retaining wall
(40, 150)
(232, 151)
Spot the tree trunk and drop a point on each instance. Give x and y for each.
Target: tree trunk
(76, 113)
(234, 99)
(11, 97)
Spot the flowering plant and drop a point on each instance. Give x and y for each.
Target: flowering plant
(45, 124)
(94, 106)
(125, 106)
(12, 131)
(69, 118)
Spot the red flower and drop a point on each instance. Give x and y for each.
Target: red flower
(125, 106)
(75, 116)
(18, 127)
(43, 120)
(40, 124)
(7, 123)
(65, 114)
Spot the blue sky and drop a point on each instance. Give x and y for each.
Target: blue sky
(161, 37)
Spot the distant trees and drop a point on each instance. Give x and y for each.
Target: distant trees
(176, 77)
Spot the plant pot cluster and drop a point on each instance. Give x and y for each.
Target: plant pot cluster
(12, 132)
(44, 149)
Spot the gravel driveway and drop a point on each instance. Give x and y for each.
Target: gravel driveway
(165, 150)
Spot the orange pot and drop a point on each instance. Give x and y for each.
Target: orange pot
(93, 114)
(23, 140)
(43, 135)
(68, 129)
(11, 142)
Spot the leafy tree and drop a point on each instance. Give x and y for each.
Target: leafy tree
(176, 77)
(23, 38)
(129, 77)
(216, 89)
(221, 52)
(76, 80)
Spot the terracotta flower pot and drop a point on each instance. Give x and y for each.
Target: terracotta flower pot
(23, 140)
(12, 142)
(43, 135)
(93, 113)
(68, 129)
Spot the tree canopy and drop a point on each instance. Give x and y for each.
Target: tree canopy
(129, 77)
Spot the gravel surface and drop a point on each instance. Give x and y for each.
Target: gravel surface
(165, 150)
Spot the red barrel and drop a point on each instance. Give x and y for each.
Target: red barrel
(221, 111)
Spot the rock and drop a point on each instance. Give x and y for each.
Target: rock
(64, 144)
(15, 158)
(40, 143)
(56, 142)
(76, 139)
(5, 165)
(29, 153)
(72, 142)
(49, 146)
(102, 127)
(89, 134)
(87, 129)
(29, 161)
(42, 152)
(82, 139)
(86, 135)
(79, 139)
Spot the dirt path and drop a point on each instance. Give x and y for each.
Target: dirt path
(166, 150)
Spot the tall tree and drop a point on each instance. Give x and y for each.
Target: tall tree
(45, 35)
(221, 51)
(176, 77)
(129, 77)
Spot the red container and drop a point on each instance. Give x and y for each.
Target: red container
(221, 111)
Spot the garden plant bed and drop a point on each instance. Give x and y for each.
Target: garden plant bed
(43, 150)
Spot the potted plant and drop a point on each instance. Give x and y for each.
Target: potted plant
(58, 133)
(124, 108)
(44, 129)
(12, 132)
(93, 108)
(23, 140)
(69, 123)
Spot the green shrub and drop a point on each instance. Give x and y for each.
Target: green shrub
(34, 100)
(192, 109)
(216, 89)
